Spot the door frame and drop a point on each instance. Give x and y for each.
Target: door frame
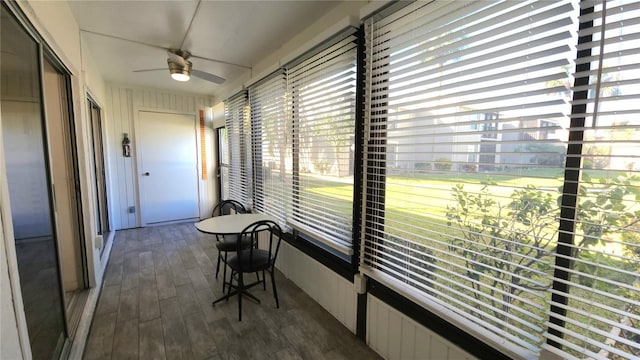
(71, 162)
(136, 166)
(98, 148)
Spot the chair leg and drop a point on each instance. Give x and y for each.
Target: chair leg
(273, 283)
(229, 287)
(224, 273)
(264, 281)
(218, 267)
(240, 291)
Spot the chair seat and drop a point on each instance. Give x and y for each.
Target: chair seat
(257, 261)
(229, 243)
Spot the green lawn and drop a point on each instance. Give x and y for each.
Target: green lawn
(418, 204)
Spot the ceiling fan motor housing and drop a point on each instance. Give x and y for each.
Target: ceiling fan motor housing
(182, 53)
(178, 71)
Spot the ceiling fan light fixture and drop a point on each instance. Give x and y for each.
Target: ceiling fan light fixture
(178, 72)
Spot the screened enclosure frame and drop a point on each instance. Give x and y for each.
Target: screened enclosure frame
(318, 84)
(538, 318)
(375, 244)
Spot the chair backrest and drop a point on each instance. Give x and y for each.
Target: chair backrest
(265, 237)
(226, 207)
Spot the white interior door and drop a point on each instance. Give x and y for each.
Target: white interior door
(168, 167)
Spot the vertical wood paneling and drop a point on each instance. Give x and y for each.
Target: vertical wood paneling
(332, 292)
(372, 331)
(110, 163)
(341, 294)
(422, 342)
(382, 318)
(20, 85)
(153, 100)
(395, 336)
(439, 348)
(118, 181)
(408, 346)
(146, 99)
(130, 162)
(121, 117)
(172, 101)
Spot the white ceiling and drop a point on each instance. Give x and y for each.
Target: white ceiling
(238, 32)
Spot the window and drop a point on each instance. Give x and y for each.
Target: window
(501, 187)
(322, 89)
(271, 141)
(238, 130)
(302, 137)
(500, 195)
(223, 164)
(595, 307)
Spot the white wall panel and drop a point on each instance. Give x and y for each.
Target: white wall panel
(123, 103)
(337, 295)
(396, 336)
(389, 332)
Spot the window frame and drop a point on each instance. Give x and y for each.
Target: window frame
(571, 181)
(370, 187)
(344, 266)
(298, 231)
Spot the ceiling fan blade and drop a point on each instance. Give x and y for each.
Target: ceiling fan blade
(220, 61)
(172, 55)
(206, 76)
(124, 39)
(145, 70)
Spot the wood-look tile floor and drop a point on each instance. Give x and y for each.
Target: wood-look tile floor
(156, 304)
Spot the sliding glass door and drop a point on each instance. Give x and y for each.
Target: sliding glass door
(40, 155)
(27, 170)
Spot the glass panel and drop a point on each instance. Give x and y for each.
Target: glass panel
(236, 113)
(29, 189)
(102, 216)
(467, 113)
(61, 145)
(602, 305)
(223, 163)
(323, 102)
(271, 142)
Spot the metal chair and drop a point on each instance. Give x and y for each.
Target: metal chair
(264, 237)
(226, 243)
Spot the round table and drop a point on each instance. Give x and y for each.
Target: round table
(230, 224)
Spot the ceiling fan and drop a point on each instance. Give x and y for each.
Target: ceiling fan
(181, 68)
(179, 65)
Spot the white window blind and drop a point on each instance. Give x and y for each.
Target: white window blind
(596, 296)
(237, 121)
(224, 156)
(467, 110)
(322, 90)
(271, 141)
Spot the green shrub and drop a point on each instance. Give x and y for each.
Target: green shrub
(422, 166)
(442, 164)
